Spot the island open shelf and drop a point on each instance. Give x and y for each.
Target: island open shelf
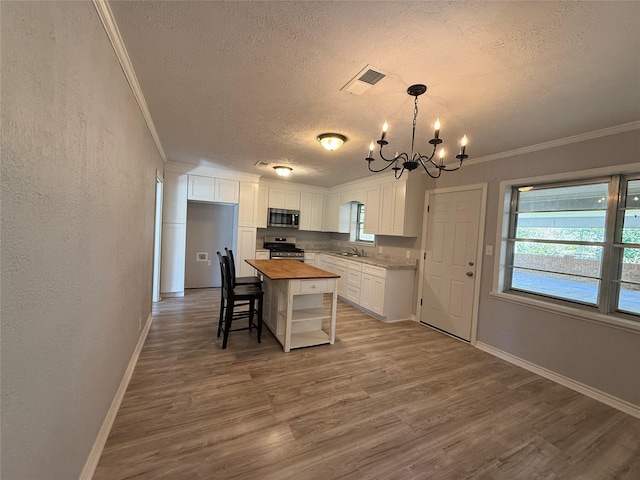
(295, 309)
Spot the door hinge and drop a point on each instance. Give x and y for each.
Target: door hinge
(425, 256)
(427, 208)
(420, 302)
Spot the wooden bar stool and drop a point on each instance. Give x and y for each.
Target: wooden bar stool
(237, 296)
(240, 280)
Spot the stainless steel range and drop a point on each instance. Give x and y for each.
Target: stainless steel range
(283, 248)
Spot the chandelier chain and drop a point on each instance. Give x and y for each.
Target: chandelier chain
(415, 120)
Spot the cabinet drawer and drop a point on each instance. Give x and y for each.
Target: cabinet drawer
(353, 294)
(341, 262)
(315, 286)
(355, 266)
(329, 260)
(354, 278)
(373, 270)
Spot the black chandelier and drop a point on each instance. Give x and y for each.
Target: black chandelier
(414, 159)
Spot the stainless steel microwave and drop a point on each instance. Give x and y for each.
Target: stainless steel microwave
(283, 218)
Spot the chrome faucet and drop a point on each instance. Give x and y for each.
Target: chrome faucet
(355, 249)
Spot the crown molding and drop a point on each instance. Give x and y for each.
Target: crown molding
(109, 23)
(625, 127)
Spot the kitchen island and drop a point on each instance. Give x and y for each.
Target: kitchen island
(294, 307)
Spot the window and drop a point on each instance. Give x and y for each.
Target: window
(357, 225)
(577, 242)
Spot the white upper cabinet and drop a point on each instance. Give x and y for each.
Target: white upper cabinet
(401, 204)
(311, 206)
(291, 200)
(174, 206)
(202, 189)
(335, 215)
(227, 191)
(248, 205)
(210, 189)
(358, 196)
(286, 199)
(372, 210)
(263, 206)
(392, 207)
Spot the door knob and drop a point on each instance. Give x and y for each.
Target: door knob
(469, 274)
(471, 264)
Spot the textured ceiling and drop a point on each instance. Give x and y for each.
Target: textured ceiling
(232, 83)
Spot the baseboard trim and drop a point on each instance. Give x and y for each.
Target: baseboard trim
(103, 433)
(607, 399)
(172, 294)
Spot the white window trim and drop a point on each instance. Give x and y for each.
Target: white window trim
(352, 229)
(502, 232)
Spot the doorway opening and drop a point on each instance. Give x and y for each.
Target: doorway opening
(157, 241)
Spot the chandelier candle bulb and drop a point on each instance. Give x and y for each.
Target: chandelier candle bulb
(385, 127)
(441, 156)
(463, 144)
(371, 150)
(437, 127)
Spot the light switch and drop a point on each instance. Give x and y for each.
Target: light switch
(488, 250)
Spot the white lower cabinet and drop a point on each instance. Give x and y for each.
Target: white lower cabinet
(262, 255)
(373, 293)
(310, 258)
(339, 267)
(385, 293)
(342, 281)
(354, 280)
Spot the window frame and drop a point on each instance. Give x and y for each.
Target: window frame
(512, 240)
(358, 224)
(353, 227)
(606, 315)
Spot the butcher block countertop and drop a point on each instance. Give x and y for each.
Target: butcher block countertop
(289, 270)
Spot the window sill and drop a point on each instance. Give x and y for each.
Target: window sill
(606, 320)
(363, 244)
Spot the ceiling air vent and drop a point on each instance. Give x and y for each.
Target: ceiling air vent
(364, 80)
(260, 163)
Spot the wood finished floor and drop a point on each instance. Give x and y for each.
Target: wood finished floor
(397, 401)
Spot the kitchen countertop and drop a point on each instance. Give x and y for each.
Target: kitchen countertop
(389, 264)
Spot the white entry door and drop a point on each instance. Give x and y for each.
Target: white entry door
(450, 265)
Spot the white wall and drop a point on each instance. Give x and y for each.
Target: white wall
(599, 356)
(78, 187)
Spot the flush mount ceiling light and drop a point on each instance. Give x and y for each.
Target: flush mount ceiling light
(331, 141)
(411, 161)
(282, 170)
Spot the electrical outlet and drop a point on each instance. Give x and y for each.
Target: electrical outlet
(488, 250)
(209, 262)
(408, 254)
(379, 249)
